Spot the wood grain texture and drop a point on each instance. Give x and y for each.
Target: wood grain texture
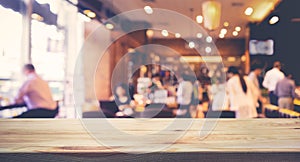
(70, 136)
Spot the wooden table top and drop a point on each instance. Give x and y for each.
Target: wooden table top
(70, 135)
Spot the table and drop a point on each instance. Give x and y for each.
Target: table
(67, 139)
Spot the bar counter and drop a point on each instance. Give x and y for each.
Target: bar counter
(255, 139)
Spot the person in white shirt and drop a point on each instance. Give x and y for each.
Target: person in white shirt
(36, 94)
(241, 93)
(271, 79)
(184, 96)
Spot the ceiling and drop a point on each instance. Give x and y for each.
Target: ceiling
(232, 11)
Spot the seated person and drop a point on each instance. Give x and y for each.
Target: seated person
(36, 94)
(122, 98)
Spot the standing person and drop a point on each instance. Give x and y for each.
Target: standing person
(219, 97)
(36, 94)
(205, 82)
(271, 78)
(285, 90)
(253, 76)
(241, 93)
(184, 96)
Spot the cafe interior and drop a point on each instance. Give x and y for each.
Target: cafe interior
(95, 53)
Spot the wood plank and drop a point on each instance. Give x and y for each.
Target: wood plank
(70, 135)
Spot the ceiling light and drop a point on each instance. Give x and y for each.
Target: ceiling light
(89, 13)
(211, 11)
(243, 58)
(37, 17)
(226, 24)
(221, 35)
(209, 39)
(109, 26)
(231, 59)
(248, 11)
(208, 50)
(191, 44)
(274, 20)
(164, 33)
(238, 28)
(148, 9)
(177, 35)
(223, 31)
(149, 33)
(199, 35)
(235, 33)
(263, 9)
(199, 19)
(130, 50)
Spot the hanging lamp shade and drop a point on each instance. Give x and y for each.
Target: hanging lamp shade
(211, 11)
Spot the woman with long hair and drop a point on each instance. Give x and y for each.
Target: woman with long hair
(242, 94)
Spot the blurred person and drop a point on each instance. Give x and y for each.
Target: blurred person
(154, 86)
(205, 82)
(241, 93)
(167, 80)
(253, 76)
(156, 82)
(123, 100)
(36, 94)
(271, 78)
(184, 96)
(286, 92)
(219, 97)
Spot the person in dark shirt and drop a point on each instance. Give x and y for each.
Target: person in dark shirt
(123, 100)
(285, 91)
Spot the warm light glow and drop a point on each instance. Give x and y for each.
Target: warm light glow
(238, 28)
(89, 13)
(199, 19)
(235, 33)
(212, 14)
(149, 33)
(199, 35)
(208, 50)
(37, 17)
(262, 9)
(192, 44)
(221, 35)
(223, 31)
(177, 35)
(274, 20)
(148, 9)
(209, 39)
(226, 24)
(130, 50)
(248, 11)
(164, 33)
(109, 26)
(231, 59)
(201, 59)
(243, 58)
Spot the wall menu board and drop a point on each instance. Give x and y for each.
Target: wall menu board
(261, 47)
